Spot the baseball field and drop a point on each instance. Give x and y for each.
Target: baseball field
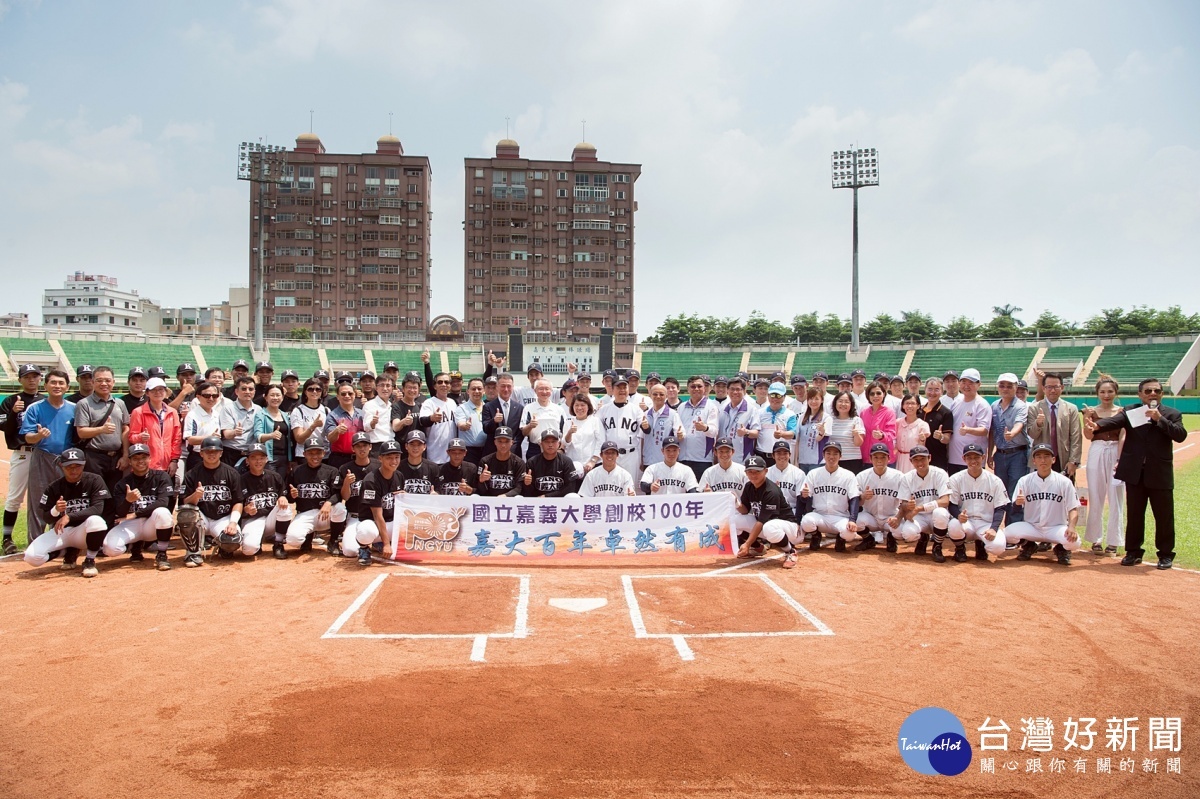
(314, 677)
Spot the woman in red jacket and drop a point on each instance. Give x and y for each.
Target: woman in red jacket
(879, 423)
(156, 424)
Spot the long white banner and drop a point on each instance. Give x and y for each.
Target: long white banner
(436, 527)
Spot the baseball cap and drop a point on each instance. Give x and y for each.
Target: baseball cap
(1022, 384)
(213, 444)
(411, 377)
(137, 371)
(321, 374)
(880, 447)
(256, 448)
(534, 367)
(241, 364)
(844, 378)
(138, 449)
(654, 376)
(156, 382)
(569, 383)
(743, 376)
(457, 443)
(913, 376)
(779, 446)
(609, 445)
(392, 447)
(72, 455)
(391, 365)
(881, 376)
(184, 368)
(264, 365)
(972, 449)
(799, 380)
(289, 373)
(950, 373)
(721, 380)
(455, 375)
(551, 433)
(820, 376)
(156, 371)
(414, 435)
(858, 373)
(610, 373)
(723, 441)
(777, 388)
(491, 380)
(832, 445)
(761, 381)
(1007, 377)
(1042, 448)
(755, 462)
(620, 380)
(314, 442)
(344, 377)
(670, 441)
(777, 375)
(918, 452)
(85, 369)
(634, 373)
(583, 376)
(706, 379)
(970, 374)
(367, 373)
(503, 432)
(360, 438)
(896, 379)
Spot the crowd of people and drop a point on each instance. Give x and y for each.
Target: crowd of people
(235, 461)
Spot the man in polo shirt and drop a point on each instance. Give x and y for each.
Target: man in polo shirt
(972, 420)
(237, 422)
(49, 427)
(102, 427)
(1009, 453)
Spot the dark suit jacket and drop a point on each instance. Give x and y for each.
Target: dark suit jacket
(1147, 457)
(513, 421)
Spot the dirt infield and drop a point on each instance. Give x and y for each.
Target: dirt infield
(217, 682)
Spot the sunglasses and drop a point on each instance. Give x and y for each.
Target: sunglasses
(210, 396)
(1152, 391)
(314, 389)
(441, 382)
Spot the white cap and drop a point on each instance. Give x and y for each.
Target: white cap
(1007, 377)
(970, 374)
(155, 382)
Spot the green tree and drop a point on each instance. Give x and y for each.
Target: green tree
(806, 328)
(683, 330)
(834, 330)
(961, 328)
(301, 334)
(1002, 326)
(1049, 325)
(761, 330)
(1008, 311)
(1106, 323)
(917, 326)
(881, 329)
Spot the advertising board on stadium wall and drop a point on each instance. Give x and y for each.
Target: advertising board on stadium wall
(566, 530)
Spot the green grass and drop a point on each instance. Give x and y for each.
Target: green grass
(1187, 517)
(1191, 422)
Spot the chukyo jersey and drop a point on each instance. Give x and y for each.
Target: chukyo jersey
(789, 480)
(85, 498)
(719, 479)
(155, 486)
(1047, 501)
(831, 492)
(978, 497)
(262, 491)
(677, 479)
(930, 488)
(889, 488)
(449, 477)
(551, 478)
(508, 476)
(766, 502)
(601, 483)
(380, 492)
(419, 479)
(314, 487)
(360, 472)
(222, 489)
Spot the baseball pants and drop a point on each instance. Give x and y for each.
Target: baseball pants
(259, 526)
(935, 523)
(972, 529)
(309, 522)
(827, 524)
(77, 537)
(880, 528)
(1054, 534)
(777, 530)
(18, 479)
(43, 470)
(1102, 458)
(740, 523)
(142, 529)
(365, 534)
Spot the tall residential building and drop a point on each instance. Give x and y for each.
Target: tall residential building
(347, 235)
(549, 245)
(92, 303)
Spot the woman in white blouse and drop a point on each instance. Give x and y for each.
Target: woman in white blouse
(584, 435)
(844, 427)
(308, 418)
(203, 420)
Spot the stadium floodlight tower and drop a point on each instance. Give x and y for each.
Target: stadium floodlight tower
(855, 169)
(261, 164)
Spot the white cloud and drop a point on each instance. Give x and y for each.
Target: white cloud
(947, 22)
(12, 106)
(188, 132)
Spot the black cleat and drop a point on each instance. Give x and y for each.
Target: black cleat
(89, 567)
(1061, 553)
(334, 546)
(891, 543)
(839, 545)
(135, 552)
(1043, 546)
(161, 563)
(980, 551)
(814, 543)
(364, 556)
(9, 547)
(921, 544)
(308, 544)
(960, 553)
(279, 552)
(868, 542)
(193, 560)
(1027, 550)
(936, 551)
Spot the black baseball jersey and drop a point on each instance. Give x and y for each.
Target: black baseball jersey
(263, 491)
(401, 409)
(507, 479)
(315, 487)
(380, 492)
(132, 403)
(289, 403)
(10, 420)
(155, 486)
(449, 477)
(77, 397)
(766, 503)
(85, 498)
(419, 479)
(222, 489)
(360, 473)
(551, 478)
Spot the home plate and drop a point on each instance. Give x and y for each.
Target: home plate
(578, 604)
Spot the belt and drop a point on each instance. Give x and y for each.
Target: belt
(110, 453)
(24, 448)
(1013, 449)
(622, 451)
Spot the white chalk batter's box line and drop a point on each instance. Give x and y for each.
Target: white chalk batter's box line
(680, 639)
(479, 640)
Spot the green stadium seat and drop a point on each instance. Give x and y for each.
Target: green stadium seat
(1129, 364)
(990, 361)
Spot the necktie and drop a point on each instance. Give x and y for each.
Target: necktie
(504, 409)
(1054, 427)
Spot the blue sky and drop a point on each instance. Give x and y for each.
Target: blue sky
(1044, 155)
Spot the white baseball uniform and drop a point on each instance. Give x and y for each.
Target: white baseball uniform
(622, 424)
(831, 493)
(925, 492)
(888, 489)
(601, 483)
(143, 528)
(1048, 504)
(790, 480)
(980, 498)
(677, 479)
(732, 480)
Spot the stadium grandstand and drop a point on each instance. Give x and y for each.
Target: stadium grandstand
(1080, 361)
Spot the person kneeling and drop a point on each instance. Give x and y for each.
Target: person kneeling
(774, 521)
(76, 502)
(143, 503)
(1051, 509)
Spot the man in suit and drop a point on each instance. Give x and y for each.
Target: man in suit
(504, 411)
(1056, 422)
(1146, 466)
